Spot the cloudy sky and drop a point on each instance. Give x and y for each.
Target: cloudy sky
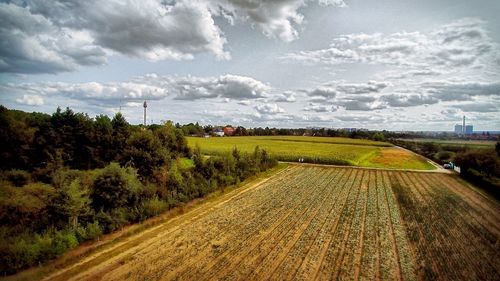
(396, 65)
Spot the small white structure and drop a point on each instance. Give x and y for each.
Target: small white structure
(219, 132)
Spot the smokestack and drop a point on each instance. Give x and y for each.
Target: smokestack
(463, 127)
(146, 105)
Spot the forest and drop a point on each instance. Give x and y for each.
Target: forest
(67, 178)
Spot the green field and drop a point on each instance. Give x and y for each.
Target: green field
(475, 144)
(340, 151)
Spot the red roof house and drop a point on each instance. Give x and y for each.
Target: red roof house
(229, 131)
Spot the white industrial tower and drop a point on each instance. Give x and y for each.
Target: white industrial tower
(463, 127)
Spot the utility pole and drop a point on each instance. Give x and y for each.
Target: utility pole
(145, 106)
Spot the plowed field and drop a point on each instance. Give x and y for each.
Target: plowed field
(318, 223)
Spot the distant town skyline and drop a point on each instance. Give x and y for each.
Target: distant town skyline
(394, 65)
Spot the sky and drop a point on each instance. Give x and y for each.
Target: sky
(394, 65)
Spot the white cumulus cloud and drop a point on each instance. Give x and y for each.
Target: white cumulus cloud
(269, 109)
(30, 100)
(462, 43)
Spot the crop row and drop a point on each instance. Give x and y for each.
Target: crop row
(212, 234)
(447, 234)
(303, 212)
(151, 257)
(318, 223)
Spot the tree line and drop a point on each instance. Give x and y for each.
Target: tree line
(195, 129)
(478, 165)
(67, 178)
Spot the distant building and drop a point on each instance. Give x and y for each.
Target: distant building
(469, 129)
(350, 130)
(219, 132)
(458, 129)
(229, 131)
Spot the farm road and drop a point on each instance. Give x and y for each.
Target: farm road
(437, 170)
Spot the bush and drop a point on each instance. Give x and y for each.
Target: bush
(94, 230)
(27, 249)
(113, 219)
(482, 168)
(19, 254)
(90, 232)
(17, 177)
(378, 136)
(145, 152)
(115, 187)
(154, 207)
(63, 241)
(64, 177)
(26, 207)
(80, 233)
(444, 156)
(45, 243)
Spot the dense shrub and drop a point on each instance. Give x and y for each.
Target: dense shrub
(64, 177)
(144, 152)
(27, 249)
(444, 156)
(27, 207)
(154, 207)
(17, 177)
(481, 167)
(63, 241)
(114, 187)
(70, 202)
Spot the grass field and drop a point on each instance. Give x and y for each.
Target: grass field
(396, 158)
(476, 144)
(341, 151)
(317, 223)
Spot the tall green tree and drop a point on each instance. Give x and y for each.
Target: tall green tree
(114, 187)
(145, 153)
(121, 132)
(71, 201)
